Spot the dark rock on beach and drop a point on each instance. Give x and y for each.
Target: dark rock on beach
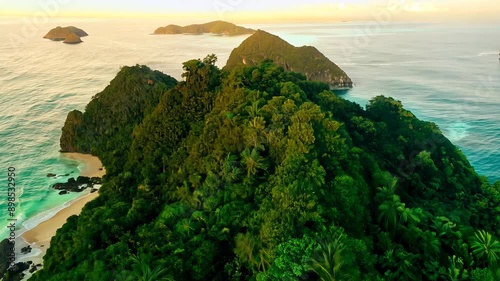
(50, 175)
(76, 185)
(95, 180)
(82, 179)
(16, 271)
(59, 186)
(26, 250)
(5, 250)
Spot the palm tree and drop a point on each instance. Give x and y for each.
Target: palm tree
(406, 215)
(399, 265)
(142, 271)
(411, 234)
(327, 261)
(430, 243)
(254, 109)
(388, 191)
(230, 172)
(443, 226)
(393, 212)
(455, 269)
(406, 269)
(258, 123)
(254, 132)
(185, 227)
(484, 245)
(389, 211)
(244, 248)
(252, 160)
(264, 257)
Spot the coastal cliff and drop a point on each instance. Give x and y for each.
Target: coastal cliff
(306, 59)
(215, 27)
(110, 116)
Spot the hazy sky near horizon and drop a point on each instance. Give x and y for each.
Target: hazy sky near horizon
(262, 10)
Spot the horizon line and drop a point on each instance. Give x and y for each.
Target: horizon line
(234, 18)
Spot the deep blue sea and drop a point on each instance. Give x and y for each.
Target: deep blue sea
(445, 73)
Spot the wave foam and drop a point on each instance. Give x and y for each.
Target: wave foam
(489, 53)
(458, 131)
(32, 222)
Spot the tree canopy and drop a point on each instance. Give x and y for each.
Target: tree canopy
(258, 174)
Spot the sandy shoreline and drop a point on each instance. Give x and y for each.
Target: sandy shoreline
(45, 230)
(39, 237)
(91, 165)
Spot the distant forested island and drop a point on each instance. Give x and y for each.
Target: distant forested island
(215, 27)
(69, 34)
(306, 59)
(255, 172)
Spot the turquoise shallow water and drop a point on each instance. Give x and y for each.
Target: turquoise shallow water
(448, 74)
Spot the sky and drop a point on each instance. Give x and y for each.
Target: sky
(261, 10)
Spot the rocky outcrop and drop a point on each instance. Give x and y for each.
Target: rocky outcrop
(26, 250)
(306, 60)
(80, 184)
(5, 250)
(70, 130)
(72, 39)
(215, 27)
(8, 269)
(68, 34)
(15, 272)
(111, 113)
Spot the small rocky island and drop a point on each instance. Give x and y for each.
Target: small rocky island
(72, 39)
(215, 27)
(306, 59)
(69, 34)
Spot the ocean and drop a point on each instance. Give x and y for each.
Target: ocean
(445, 73)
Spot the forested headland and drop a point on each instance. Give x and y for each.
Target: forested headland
(257, 173)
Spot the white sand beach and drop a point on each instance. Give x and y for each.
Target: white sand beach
(91, 165)
(39, 237)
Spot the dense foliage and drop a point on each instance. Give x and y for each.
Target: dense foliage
(259, 174)
(106, 127)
